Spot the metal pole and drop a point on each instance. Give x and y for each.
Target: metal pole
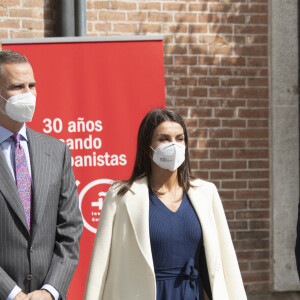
(65, 21)
(80, 15)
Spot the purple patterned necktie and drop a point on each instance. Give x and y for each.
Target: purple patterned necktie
(22, 177)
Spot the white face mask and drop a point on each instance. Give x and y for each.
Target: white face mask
(20, 107)
(169, 155)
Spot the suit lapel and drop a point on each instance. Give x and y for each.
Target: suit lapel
(9, 190)
(137, 202)
(41, 169)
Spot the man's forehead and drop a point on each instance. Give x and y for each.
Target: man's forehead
(16, 72)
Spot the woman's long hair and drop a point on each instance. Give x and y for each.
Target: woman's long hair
(142, 165)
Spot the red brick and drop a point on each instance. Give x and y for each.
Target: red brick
(177, 91)
(251, 133)
(123, 5)
(174, 6)
(214, 71)
(250, 8)
(149, 6)
(130, 28)
(251, 153)
(198, 92)
(227, 195)
(260, 265)
(234, 185)
(252, 174)
(259, 184)
(254, 214)
(226, 8)
(258, 143)
(209, 143)
(209, 123)
(198, 70)
(176, 28)
(145, 28)
(112, 16)
(208, 18)
(252, 194)
(257, 62)
(259, 224)
(221, 50)
(257, 204)
(253, 39)
(250, 29)
(258, 81)
(258, 123)
(209, 164)
(185, 60)
(251, 50)
(233, 144)
(233, 19)
(216, 175)
(220, 29)
(256, 276)
(234, 225)
(208, 81)
(225, 113)
(221, 92)
(176, 49)
(208, 60)
(136, 16)
(201, 112)
(233, 82)
(197, 28)
(234, 123)
(159, 17)
(253, 113)
(198, 49)
(221, 153)
(220, 133)
(252, 235)
(186, 102)
(175, 70)
(198, 7)
(197, 133)
(253, 255)
(234, 164)
(233, 61)
(186, 17)
(233, 205)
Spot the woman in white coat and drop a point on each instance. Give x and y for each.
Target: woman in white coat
(163, 234)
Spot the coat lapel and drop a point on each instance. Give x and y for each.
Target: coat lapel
(201, 199)
(40, 156)
(9, 190)
(137, 202)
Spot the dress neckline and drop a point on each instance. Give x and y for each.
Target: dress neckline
(161, 204)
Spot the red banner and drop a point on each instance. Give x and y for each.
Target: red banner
(93, 96)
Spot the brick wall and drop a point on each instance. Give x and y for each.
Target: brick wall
(216, 74)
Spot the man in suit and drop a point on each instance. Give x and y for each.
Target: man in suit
(40, 221)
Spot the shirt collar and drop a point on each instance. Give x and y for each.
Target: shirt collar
(5, 133)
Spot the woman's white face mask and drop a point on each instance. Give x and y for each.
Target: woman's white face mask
(20, 107)
(169, 156)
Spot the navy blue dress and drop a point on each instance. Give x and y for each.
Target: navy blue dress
(176, 239)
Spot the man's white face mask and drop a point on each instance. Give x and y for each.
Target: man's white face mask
(20, 107)
(169, 155)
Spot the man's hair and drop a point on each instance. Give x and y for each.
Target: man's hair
(11, 57)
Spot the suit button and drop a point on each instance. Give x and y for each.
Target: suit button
(29, 277)
(32, 249)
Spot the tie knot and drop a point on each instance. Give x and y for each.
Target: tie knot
(16, 138)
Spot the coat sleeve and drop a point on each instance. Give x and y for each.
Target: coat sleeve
(99, 262)
(230, 265)
(68, 232)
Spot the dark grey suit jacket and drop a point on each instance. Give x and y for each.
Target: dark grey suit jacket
(49, 254)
